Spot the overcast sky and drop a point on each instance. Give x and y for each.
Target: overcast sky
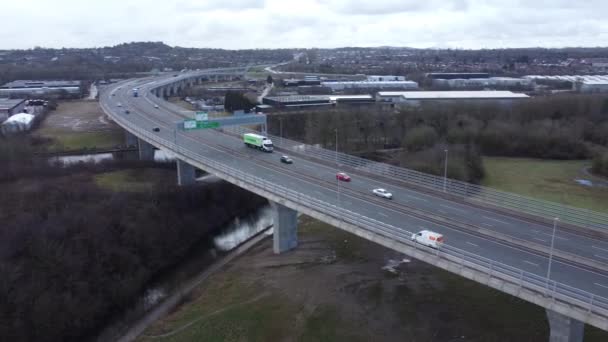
(235, 24)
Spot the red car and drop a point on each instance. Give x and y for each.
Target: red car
(342, 177)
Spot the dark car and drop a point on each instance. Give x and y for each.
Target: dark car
(156, 129)
(286, 160)
(127, 111)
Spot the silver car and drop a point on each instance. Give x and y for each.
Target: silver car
(382, 193)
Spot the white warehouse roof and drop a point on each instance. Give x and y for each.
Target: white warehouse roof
(437, 95)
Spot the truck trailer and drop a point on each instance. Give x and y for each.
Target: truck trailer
(257, 141)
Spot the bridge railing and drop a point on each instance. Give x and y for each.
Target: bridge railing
(586, 301)
(471, 192)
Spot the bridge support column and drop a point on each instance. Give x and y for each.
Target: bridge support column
(564, 328)
(130, 139)
(146, 151)
(285, 227)
(186, 174)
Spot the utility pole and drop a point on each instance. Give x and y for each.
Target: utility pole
(281, 129)
(337, 167)
(445, 171)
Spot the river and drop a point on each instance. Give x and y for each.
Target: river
(203, 254)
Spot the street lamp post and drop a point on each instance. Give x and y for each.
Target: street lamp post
(337, 167)
(555, 220)
(281, 129)
(445, 171)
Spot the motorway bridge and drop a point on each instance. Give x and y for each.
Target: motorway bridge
(548, 254)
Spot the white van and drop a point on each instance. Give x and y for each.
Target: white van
(428, 238)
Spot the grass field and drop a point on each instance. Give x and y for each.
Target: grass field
(551, 180)
(65, 140)
(134, 180)
(78, 125)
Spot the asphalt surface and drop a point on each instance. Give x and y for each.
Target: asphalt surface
(318, 180)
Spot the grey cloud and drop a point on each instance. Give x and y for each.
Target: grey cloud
(306, 23)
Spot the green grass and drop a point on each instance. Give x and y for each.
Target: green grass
(228, 309)
(545, 179)
(63, 140)
(135, 180)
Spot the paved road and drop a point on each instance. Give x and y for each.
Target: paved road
(318, 180)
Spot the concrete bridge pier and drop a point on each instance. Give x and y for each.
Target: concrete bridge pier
(130, 139)
(285, 227)
(564, 328)
(146, 151)
(186, 173)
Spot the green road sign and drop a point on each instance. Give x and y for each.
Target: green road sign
(193, 124)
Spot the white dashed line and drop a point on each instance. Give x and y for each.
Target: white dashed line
(443, 211)
(418, 198)
(487, 224)
(539, 239)
(450, 207)
(600, 248)
(531, 263)
(600, 285)
(547, 234)
(493, 219)
(472, 244)
(600, 256)
(382, 214)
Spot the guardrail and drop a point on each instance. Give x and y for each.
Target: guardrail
(545, 209)
(589, 302)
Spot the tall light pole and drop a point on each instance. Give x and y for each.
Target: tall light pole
(337, 167)
(551, 250)
(281, 129)
(445, 171)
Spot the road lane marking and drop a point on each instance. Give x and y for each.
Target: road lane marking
(472, 244)
(531, 263)
(411, 196)
(443, 211)
(539, 239)
(318, 192)
(600, 256)
(600, 285)
(487, 224)
(547, 234)
(497, 220)
(450, 207)
(382, 214)
(600, 248)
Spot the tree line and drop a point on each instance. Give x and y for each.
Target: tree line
(556, 127)
(73, 255)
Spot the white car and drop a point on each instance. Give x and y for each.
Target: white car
(119, 105)
(382, 193)
(156, 106)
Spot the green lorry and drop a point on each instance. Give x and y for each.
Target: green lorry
(257, 141)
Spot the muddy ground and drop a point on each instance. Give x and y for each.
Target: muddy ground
(336, 287)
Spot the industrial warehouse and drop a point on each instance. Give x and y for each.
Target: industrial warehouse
(55, 89)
